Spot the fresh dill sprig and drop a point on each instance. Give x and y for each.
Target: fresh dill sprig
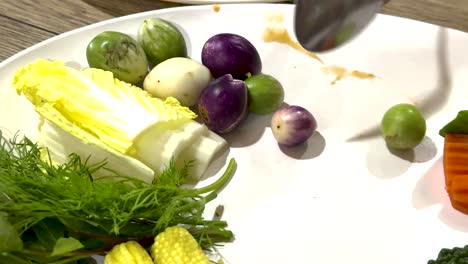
(173, 175)
(106, 211)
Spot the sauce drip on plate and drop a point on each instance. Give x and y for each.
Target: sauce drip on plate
(276, 32)
(341, 73)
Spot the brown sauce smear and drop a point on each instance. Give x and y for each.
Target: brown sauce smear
(281, 35)
(341, 73)
(275, 32)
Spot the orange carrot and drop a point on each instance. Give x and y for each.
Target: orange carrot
(455, 162)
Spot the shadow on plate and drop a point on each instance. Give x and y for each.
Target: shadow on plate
(434, 101)
(383, 164)
(75, 65)
(249, 131)
(313, 148)
(430, 190)
(386, 163)
(424, 152)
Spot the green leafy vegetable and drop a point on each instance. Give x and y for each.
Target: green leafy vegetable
(9, 238)
(454, 255)
(6, 257)
(87, 261)
(95, 214)
(48, 231)
(90, 111)
(66, 245)
(459, 125)
(60, 144)
(113, 111)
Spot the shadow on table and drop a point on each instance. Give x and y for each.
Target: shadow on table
(437, 99)
(118, 8)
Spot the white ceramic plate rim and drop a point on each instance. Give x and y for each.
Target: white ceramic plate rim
(119, 19)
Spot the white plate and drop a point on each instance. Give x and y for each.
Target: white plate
(203, 2)
(333, 200)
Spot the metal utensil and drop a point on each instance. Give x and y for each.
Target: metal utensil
(322, 25)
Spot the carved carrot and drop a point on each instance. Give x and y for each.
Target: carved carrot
(455, 161)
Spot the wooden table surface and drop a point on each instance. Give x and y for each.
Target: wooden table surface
(24, 23)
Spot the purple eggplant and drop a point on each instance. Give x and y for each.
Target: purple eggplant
(222, 105)
(292, 125)
(228, 53)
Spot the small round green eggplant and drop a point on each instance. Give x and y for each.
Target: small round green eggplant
(161, 40)
(120, 54)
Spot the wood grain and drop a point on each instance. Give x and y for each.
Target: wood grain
(54, 17)
(59, 16)
(24, 23)
(16, 36)
(446, 13)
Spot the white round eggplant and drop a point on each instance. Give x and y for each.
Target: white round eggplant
(293, 125)
(181, 78)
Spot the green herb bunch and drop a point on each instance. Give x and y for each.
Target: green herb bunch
(455, 255)
(53, 213)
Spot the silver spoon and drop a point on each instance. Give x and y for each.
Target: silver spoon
(322, 25)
